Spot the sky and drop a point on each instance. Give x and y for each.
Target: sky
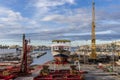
(46, 20)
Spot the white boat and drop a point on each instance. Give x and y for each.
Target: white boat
(61, 49)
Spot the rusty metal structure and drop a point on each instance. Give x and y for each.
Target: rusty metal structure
(23, 68)
(93, 40)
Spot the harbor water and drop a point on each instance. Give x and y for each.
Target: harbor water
(43, 59)
(36, 61)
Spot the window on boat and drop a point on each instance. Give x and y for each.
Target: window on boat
(55, 48)
(66, 48)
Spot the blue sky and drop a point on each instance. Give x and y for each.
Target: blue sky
(45, 20)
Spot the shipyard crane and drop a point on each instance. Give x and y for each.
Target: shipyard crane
(93, 54)
(23, 68)
(24, 60)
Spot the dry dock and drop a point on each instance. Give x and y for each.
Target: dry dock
(98, 74)
(93, 73)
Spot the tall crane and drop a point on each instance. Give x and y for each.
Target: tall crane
(23, 68)
(93, 40)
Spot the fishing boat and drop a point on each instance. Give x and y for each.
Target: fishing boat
(61, 50)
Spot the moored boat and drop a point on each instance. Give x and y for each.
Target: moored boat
(61, 49)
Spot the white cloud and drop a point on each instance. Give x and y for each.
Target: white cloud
(78, 19)
(51, 3)
(52, 17)
(97, 33)
(9, 17)
(12, 22)
(69, 18)
(5, 12)
(46, 7)
(71, 1)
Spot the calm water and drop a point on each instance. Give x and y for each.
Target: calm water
(43, 59)
(6, 51)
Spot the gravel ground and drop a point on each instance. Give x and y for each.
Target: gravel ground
(98, 74)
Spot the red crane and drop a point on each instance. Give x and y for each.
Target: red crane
(24, 67)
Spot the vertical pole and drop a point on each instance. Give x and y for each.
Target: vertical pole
(79, 65)
(86, 57)
(84, 54)
(25, 57)
(112, 56)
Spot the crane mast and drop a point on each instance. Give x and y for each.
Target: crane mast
(23, 68)
(93, 40)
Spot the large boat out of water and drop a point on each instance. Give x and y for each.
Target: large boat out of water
(61, 49)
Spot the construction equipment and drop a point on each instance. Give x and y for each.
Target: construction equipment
(24, 65)
(93, 54)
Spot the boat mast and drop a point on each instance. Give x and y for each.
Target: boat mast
(93, 40)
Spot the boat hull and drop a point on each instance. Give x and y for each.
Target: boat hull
(61, 57)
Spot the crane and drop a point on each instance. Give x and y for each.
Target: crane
(93, 54)
(24, 65)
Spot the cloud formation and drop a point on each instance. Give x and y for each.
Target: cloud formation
(59, 19)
